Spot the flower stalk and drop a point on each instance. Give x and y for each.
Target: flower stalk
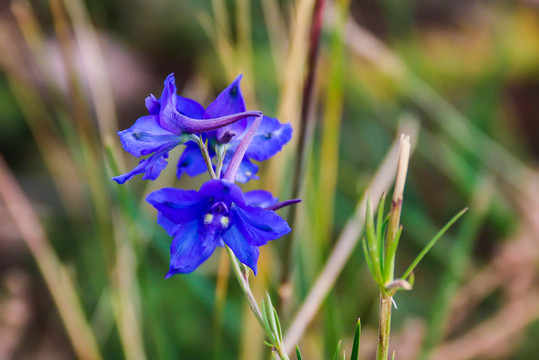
(268, 322)
(391, 243)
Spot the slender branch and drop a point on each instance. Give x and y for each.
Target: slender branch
(244, 284)
(345, 244)
(205, 155)
(384, 327)
(396, 206)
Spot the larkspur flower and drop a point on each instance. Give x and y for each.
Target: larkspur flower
(171, 120)
(269, 139)
(219, 213)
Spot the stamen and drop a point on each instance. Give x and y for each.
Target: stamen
(225, 221)
(208, 219)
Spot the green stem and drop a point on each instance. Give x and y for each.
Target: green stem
(241, 276)
(205, 155)
(244, 284)
(384, 327)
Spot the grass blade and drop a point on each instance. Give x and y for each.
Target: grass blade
(357, 340)
(432, 243)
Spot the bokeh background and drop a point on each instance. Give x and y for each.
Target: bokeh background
(82, 261)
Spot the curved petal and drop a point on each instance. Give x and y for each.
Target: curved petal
(153, 105)
(247, 171)
(187, 252)
(245, 252)
(188, 107)
(260, 198)
(177, 205)
(270, 138)
(224, 191)
(150, 167)
(147, 136)
(168, 110)
(191, 161)
(258, 225)
(230, 101)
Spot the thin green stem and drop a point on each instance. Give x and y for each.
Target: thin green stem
(205, 155)
(241, 272)
(244, 284)
(395, 212)
(384, 327)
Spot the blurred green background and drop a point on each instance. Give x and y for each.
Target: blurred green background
(82, 260)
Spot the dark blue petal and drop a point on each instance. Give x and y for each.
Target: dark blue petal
(179, 206)
(258, 225)
(150, 167)
(246, 253)
(230, 101)
(187, 252)
(153, 105)
(167, 224)
(147, 136)
(191, 161)
(247, 171)
(260, 198)
(270, 138)
(168, 106)
(188, 107)
(224, 191)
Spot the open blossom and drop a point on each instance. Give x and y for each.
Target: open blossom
(269, 139)
(219, 213)
(171, 120)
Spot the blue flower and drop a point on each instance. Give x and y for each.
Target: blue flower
(269, 139)
(171, 121)
(219, 213)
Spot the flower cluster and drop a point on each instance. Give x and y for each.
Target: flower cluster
(222, 139)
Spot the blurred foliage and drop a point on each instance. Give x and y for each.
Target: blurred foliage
(465, 73)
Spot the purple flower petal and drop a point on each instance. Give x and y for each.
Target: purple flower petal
(150, 167)
(188, 107)
(191, 161)
(269, 139)
(223, 191)
(147, 136)
(153, 105)
(179, 206)
(230, 101)
(260, 198)
(246, 171)
(258, 225)
(240, 246)
(187, 252)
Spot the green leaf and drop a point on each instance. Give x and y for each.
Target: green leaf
(337, 351)
(432, 243)
(368, 261)
(372, 241)
(298, 353)
(357, 340)
(381, 224)
(279, 331)
(411, 279)
(267, 322)
(274, 324)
